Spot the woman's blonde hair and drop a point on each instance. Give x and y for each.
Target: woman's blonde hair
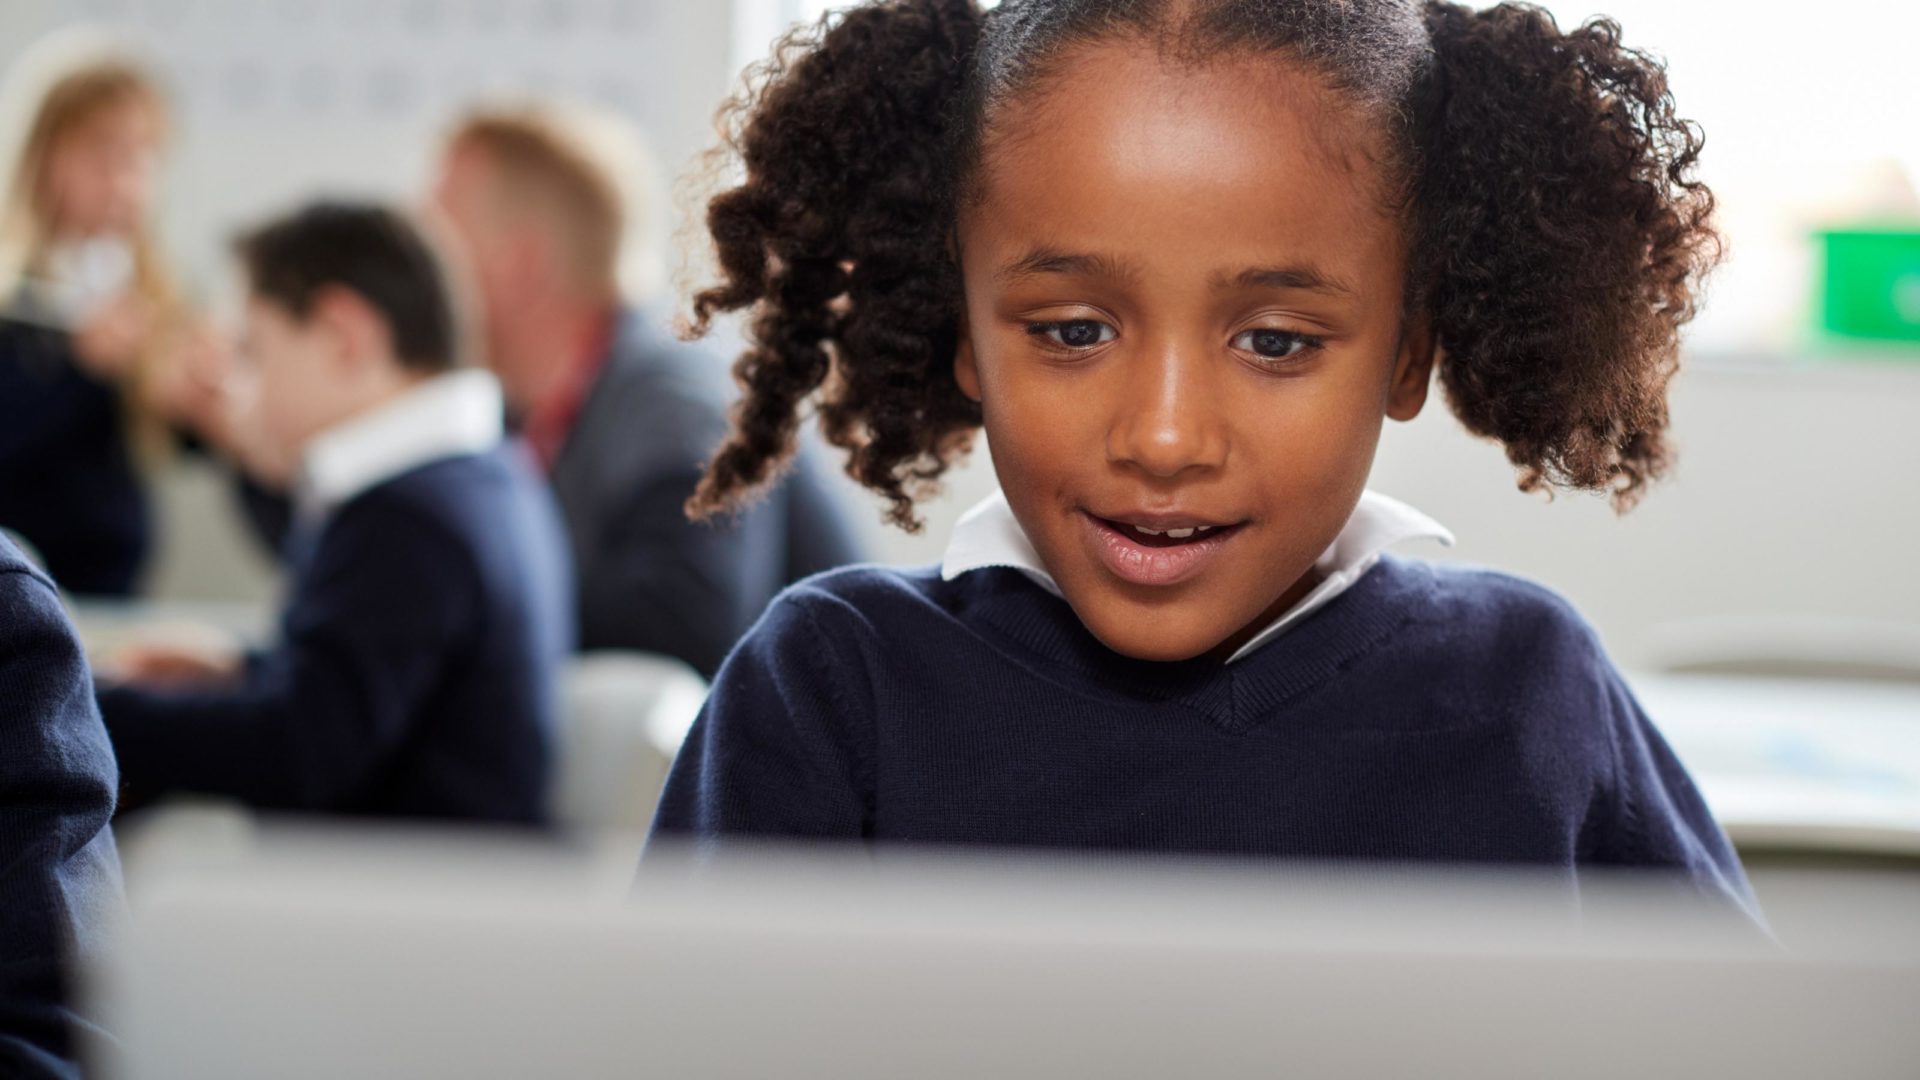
(58, 89)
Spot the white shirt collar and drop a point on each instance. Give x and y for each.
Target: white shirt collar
(989, 535)
(448, 415)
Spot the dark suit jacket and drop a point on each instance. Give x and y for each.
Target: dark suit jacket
(649, 578)
(59, 875)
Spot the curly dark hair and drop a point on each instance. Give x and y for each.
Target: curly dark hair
(1558, 233)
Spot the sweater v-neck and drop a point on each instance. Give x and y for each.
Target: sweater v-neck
(1041, 631)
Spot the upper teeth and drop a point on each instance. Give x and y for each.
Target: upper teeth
(1177, 534)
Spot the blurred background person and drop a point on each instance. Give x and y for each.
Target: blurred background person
(550, 205)
(59, 875)
(430, 606)
(88, 313)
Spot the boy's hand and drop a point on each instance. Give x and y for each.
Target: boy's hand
(189, 382)
(174, 665)
(201, 385)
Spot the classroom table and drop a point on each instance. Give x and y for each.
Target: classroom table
(105, 626)
(1798, 764)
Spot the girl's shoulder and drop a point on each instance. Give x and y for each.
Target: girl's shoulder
(869, 594)
(1479, 611)
(1511, 653)
(893, 618)
(1471, 590)
(844, 631)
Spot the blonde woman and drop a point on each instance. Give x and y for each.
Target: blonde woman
(86, 309)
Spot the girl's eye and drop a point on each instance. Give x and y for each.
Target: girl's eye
(1274, 344)
(1074, 333)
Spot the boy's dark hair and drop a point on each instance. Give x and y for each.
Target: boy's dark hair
(1558, 232)
(373, 251)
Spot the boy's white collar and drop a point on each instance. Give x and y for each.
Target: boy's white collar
(989, 535)
(448, 415)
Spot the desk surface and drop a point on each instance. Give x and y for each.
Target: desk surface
(106, 625)
(1798, 763)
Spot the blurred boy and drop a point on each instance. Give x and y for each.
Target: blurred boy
(431, 601)
(551, 209)
(59, 875)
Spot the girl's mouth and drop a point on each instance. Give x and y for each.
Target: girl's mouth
(1166, 551)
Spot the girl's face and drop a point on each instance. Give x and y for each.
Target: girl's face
(100, 174)
(1184, 325)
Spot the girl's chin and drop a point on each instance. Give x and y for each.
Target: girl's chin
(1147, 636)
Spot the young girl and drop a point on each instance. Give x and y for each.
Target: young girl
(85, 309)
(1180, 258)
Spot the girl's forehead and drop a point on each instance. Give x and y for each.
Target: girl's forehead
(1143, 98)
(1124, 142)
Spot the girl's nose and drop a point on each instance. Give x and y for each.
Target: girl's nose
(1169, 421)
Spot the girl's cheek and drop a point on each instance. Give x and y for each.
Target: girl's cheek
(1023, 431)
(1035, 404)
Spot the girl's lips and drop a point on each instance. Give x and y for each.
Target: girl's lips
(1131, 559)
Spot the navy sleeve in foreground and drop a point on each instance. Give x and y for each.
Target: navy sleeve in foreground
(59, 875)
(367, 636)
(780, 748)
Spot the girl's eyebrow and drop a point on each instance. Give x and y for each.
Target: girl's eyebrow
(1043, 261)
(1284, 277)
(1054, 261)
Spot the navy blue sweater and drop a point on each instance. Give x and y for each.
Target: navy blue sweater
(67, 478)
(1428, 713)
(59, 876)
(417, 669)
